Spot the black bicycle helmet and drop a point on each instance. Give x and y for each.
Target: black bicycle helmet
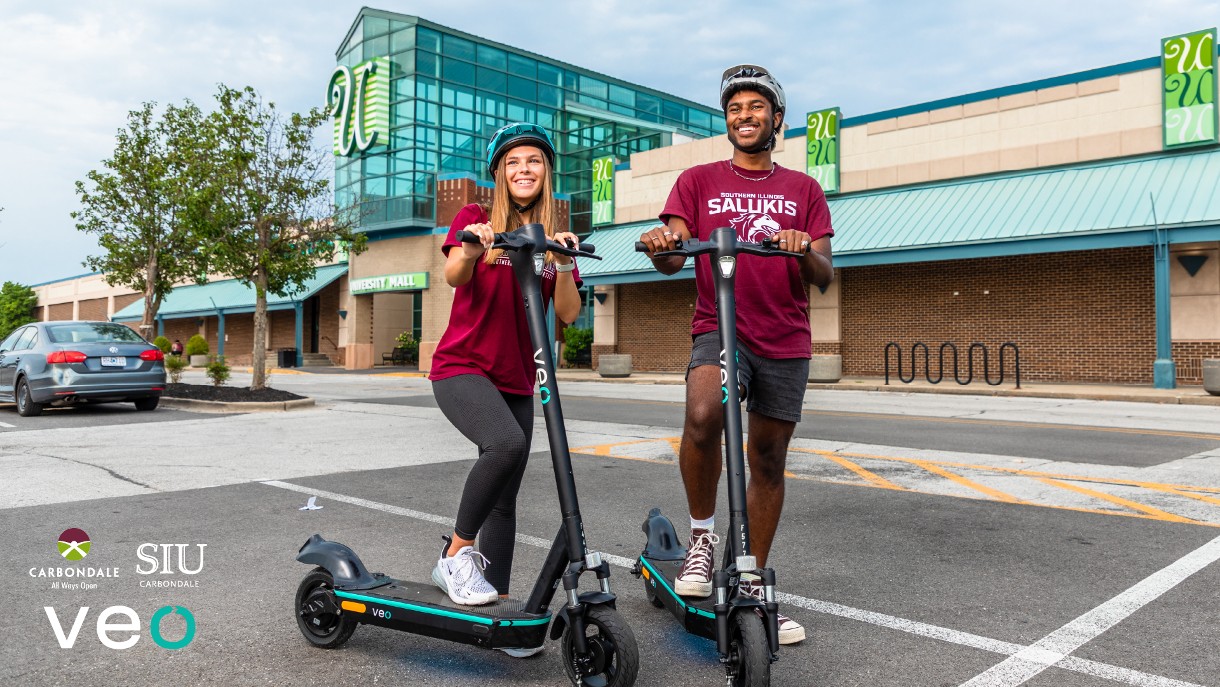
(513, 135)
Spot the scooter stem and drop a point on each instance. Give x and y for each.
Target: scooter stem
(528, 266)
(724, 272)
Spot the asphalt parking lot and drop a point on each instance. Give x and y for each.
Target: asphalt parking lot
(903, 560)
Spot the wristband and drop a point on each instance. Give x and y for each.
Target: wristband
(565, 268)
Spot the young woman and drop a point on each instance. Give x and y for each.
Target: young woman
(483, 369)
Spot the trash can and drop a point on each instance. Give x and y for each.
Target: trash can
(287, 357)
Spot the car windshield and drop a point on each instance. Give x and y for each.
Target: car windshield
(92, 332)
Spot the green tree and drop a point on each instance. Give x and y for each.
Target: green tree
(139, 206)
(273, 210)
(17, 303)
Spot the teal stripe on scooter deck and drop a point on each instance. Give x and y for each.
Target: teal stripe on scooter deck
(661, 578)
(439, 611)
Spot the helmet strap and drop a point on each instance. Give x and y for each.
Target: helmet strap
(522, 209)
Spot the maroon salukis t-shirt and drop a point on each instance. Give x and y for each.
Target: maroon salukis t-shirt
(487, 333)
(772, 304)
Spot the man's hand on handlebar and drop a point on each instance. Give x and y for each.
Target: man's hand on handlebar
(662, 238)
(791, 240)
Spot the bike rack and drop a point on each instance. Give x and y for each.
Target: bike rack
(940, 375)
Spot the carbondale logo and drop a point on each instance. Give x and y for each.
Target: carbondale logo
(74, 544)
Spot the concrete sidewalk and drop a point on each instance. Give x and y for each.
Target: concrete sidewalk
(1188, 395)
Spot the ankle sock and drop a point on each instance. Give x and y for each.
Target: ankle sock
(709, 524)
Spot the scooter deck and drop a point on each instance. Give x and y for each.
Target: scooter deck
(696, 615)
(424, 609)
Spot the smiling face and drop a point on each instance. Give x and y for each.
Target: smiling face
(749, 120)
(524, 168)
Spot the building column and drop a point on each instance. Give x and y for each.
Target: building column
(160, 326)
(1164, 373)
(220, 333)
(299, 308)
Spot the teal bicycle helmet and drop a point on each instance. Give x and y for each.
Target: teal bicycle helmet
(513, 135)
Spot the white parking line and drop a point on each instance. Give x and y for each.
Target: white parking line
(1101, 670)
(1048, 651)
(7, 425)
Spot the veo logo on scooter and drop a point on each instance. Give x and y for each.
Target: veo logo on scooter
(105, 627)
(724, 375)
(542, 378)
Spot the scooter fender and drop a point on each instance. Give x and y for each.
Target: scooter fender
(586, 599)
(341, 562)
(663, 543)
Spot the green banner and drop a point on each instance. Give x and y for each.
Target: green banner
(822, 148)
(359, 102)
(410, 281)
(1188, 93)
(603, 191)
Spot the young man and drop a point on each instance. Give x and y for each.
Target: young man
(760, 200)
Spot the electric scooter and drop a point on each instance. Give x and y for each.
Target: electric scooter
(746, 630)
(598, 647)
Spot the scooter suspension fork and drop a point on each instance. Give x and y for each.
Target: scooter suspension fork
(772, 608)
(720, 584)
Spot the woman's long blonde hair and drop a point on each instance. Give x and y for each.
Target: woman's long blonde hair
(503, 215)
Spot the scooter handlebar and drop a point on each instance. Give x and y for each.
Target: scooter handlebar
(513, 241)
(692, 247)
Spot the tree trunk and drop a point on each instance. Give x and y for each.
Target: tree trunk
(259, 361)
(151, 303)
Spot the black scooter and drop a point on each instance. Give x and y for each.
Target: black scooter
(746, 630)
(598, 647)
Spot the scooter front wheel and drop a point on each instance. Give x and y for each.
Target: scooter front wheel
(749, 652)
(614, 657)
(318, 614)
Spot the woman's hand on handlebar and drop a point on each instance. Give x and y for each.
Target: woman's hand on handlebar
(565, 238)
(486, 235)
(662, 238)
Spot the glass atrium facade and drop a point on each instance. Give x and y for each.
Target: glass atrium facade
(449, 91)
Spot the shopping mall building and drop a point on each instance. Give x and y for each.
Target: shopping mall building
(1076, 216)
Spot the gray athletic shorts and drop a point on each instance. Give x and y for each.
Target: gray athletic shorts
(775, 387)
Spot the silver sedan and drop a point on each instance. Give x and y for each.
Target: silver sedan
(64, 363)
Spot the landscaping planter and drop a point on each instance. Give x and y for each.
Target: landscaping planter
(1211, 376)
(614, 365)
(199, 360)
(825, 369)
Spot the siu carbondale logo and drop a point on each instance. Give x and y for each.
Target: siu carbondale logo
(753, 227)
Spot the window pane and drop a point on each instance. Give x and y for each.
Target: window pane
(454, 70)
(428, 39)
(522, 88)
(458, 47)
(593, 87)
(673, 111)
(377, 47)
(427, 89)
(402, 40)
(404, 63)
(549, 74)
(426, 64)
(490, 80)
(374, 165)
(522, 66)
(700, 119)
(492, 57)
(622, 96)
(375, 26)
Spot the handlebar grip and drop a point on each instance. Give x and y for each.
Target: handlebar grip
(586, 248)
(466, 237)
(640, 247)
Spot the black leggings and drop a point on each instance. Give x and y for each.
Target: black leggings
(501, 425)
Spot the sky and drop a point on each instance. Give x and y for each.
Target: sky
(70, 72)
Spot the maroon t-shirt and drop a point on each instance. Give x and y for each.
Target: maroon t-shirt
(487, 333)
(772, 304)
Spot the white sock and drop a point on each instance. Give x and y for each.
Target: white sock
(708, 524)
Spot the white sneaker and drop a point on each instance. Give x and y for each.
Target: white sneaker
(695, 578)
(521, 653)
(790, 631)
(461, 577)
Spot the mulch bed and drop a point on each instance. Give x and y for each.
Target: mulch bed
(227, 394)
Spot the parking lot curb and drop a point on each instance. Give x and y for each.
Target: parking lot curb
(226, 407)
(1132, 396)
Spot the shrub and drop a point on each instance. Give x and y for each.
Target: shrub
(406, 340)
(577, 342)
(197, 345)
(174, 365)
(218, 371)
(162, 343)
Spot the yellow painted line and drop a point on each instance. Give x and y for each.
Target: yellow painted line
(352, 606)
(1187, 494)
(401, 374)
(993, 493)
(604, 449)
(1155, 513)
(870, 477)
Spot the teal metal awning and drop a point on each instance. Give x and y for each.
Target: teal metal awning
(1090, 206)
(229, 297)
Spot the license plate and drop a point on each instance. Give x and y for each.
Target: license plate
(118, 361)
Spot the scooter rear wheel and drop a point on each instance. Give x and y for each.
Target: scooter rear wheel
(749, 651)
(318, 614)
(614, 653)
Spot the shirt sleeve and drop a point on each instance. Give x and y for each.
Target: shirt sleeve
(471, 214)
(817, 223)
(681, 202)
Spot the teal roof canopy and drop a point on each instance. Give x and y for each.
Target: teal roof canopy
(1107, 204)
(228, 296)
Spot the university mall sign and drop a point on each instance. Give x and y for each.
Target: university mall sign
(359, 102)
(411, 281)
(1188, 79)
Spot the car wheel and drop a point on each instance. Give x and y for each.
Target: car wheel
(147, 403)
(26, 407)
